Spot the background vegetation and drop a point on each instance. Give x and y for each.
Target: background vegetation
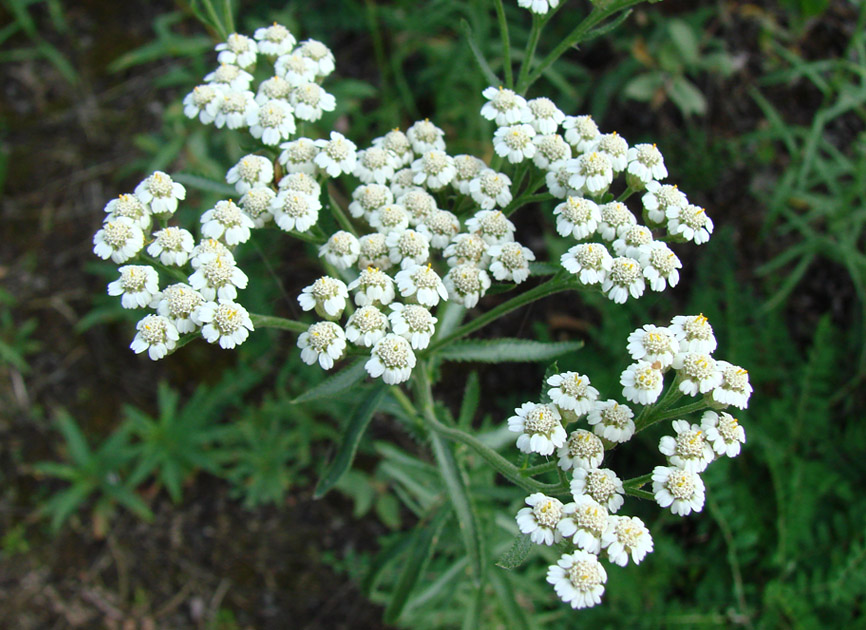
(180, 494)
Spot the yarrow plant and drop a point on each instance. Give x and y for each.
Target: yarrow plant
(424, 239)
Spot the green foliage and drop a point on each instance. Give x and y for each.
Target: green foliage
(26, 27)
(508, 350)
(16, 340)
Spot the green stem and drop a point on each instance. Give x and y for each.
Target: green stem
(678, 412)
(529, 55)
(271, 321)
(499, 463)
(217, 22)
(532, 471)
(638, 482)
(340, 216)
(577, 35)
(554, 285)
(506, 45)
(628, 192)
(640, 494)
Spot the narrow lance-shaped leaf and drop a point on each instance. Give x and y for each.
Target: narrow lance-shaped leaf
(333, 385)
(351, 438)
(500, 350)
(552, 369)
(516, 554)
(469, 404)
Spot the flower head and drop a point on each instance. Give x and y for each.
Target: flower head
(228, 222)
(690, 222)
(735, 388)
(218, 277)
(425, 136)
(680, 490)
(504, 106)
(423, 283)
(337, 155)
(433, 170)
(645, 162)
(509, 262)
(624, 536)
(581, 132)
(119, 239)
(374, 252)
(590, 262)
(723, 432)
(697, 372)
(341, 249)
(414, 323)
(324, 342)
(694, 333)
(310, 101)
(624, 278)
(586, 521)
(581, 450)
(157, 335)
(273, 122)
(138, 286)
(578, 578)
(492, 226)
(226, 323)
(611, 421)
(541, 519)
(251, 171)
(375, 165)
(601, 484)
(179, 303)
(368, 198)
(373, 286)
(326, 295)
(642, 383)
(130, 207)
(572, 393)
(366, 326)
(160, 193)
(653, 344)
(689, 449)
(466, 284)
(392, 359)
(577, 217)
(539, 426)
(491, 189)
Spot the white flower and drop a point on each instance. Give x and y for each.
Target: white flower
(392, 359)
(545, 115)
(541, 519)
(389, 218)
(160, 192)
(414, 323)
(611, 421)
(293, 210)
(572, 394)
(257, 205)
(274, 40)
(590, 262)
(336, 155)
(577, 217)
(509, 262)
(697, 372)
(690, 222)
(366, 326)
(275, 88)
(642, 383)
(616, 218)
(591, 173)
(467, 248)
(581, 133)
(616, 148)
(235, 108)
(295, 68)
(228, 323)
(550, 149)
(230, 77)
(624, 278)
(646, 163)
(320, 54)
(659, 198)
(374, 252)
(467, 284)
(581, 450)
(541, 7)
(302, 183)
(422, 282)
(660, 266)
(601, 484)
(203, 102)
(653, 344)
(238, 49)
(491, 189)
(119, 239)
(407, 247)
(735, 388)
(341, 250)
(323, 342)
(633, 242)
(368, 198)
(208, 246)
(466, 168)
(138, 286)
(440, 227)
(273, 122)
(228, 222)
(251, 171)
(425, 136)
(624, 536)
(218, 277)
(578, 578)
(326, 295)
(504, 106)
(434, 169)
(539, 427)
(130, 207)
(694, 333)
(514, 142)
(179, 303)
(678, 489)
(723, 432)
(419, 204)
(586, 521)
(492, 226)
(375, 165)
(403, 181)
(298, 156)
(689, 450)
(557, 178)
(157, 335)
(311, 101)
(373, 287)
(396, 142)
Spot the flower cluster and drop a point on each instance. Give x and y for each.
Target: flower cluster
(590, 516)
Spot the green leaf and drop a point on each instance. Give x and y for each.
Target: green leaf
(461, 502)
(516, 554)
(520, 350)
(492, 79)
(644, 86)
(79, 451)
(552, 369)
(333, 385)
(687, 97)
(424, 539)
(204, 184)
(469, 404)
(684, 38)
(351, 438)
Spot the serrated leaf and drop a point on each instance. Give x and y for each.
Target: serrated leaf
(351, 438)
(499, 350)
(516, 554)
(333, 385)
(469, 404)
(461, 502)
(552, 369)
